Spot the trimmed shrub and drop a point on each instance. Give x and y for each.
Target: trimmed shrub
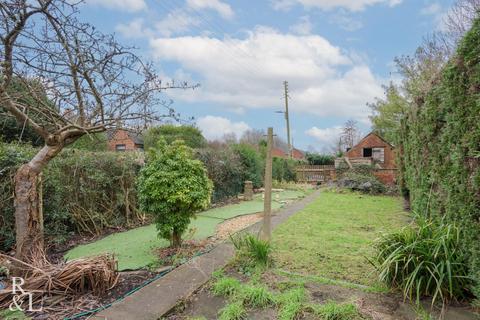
(172, 187)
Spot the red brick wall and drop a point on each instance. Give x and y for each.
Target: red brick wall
(386, 176)
(121, 137)
(374, 141)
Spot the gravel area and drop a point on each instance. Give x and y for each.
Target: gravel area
(236, 224)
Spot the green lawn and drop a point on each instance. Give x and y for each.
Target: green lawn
(332, 237)
(134, 249)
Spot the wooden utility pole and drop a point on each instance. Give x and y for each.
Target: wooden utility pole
(287, 119)
(267, 204)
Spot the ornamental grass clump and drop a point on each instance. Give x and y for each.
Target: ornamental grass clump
(424, 260)
(253, 249)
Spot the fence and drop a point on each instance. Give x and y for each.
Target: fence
(315, 173)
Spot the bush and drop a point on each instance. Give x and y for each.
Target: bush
(363, 182)
(252, 164)
(91, 142)
(320, 159)
(88, 192)
(192, 136)
(172, 187)
(424, 260)
(284, 169)
(83, 193)
(224, 168)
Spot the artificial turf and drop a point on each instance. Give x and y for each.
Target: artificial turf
(134, 249)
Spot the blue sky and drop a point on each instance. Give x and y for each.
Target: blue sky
(335, 54)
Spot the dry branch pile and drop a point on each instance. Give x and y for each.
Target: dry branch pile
(52, 284)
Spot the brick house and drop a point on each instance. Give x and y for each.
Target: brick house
(124, 140)
(376, 151)
(296, 154)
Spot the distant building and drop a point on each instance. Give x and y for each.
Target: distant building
(375, 151)
(296, 154)
(124, 140)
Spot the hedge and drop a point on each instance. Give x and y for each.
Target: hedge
(440, 157)
(87, 192)
(83, 192)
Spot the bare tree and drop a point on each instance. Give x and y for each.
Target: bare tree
(460, 17)
(80, 82)
(350, 134)
(421, 70)
(253, 137)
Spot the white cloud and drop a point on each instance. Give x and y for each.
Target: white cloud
(303, 27)
(248, 73)
(124, 5)
(176, 22)
(134, 29)
(432, 9)
(223, 9)
(217, 127)
(345, 20)
(326, 136)
(352, 5)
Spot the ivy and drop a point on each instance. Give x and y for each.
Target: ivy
(439, 142)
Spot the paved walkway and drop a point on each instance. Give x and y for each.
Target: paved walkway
(160, 296)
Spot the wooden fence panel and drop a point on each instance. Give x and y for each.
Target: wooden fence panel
(315, 173)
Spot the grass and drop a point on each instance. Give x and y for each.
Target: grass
(256, 296)
(289, 311)
(290, 303)
(333, 236)
(233, 311)
(334, 311)
(13, 315)
(134, 249)
(226, 286)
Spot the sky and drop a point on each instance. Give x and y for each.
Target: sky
(335, 54)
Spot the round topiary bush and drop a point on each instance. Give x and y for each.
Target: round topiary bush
(172, 187)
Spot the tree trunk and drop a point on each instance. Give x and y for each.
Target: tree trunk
(28, 211)
(176, 238)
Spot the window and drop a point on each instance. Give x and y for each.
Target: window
(120, 147)
(367, 152)
(379, 154)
